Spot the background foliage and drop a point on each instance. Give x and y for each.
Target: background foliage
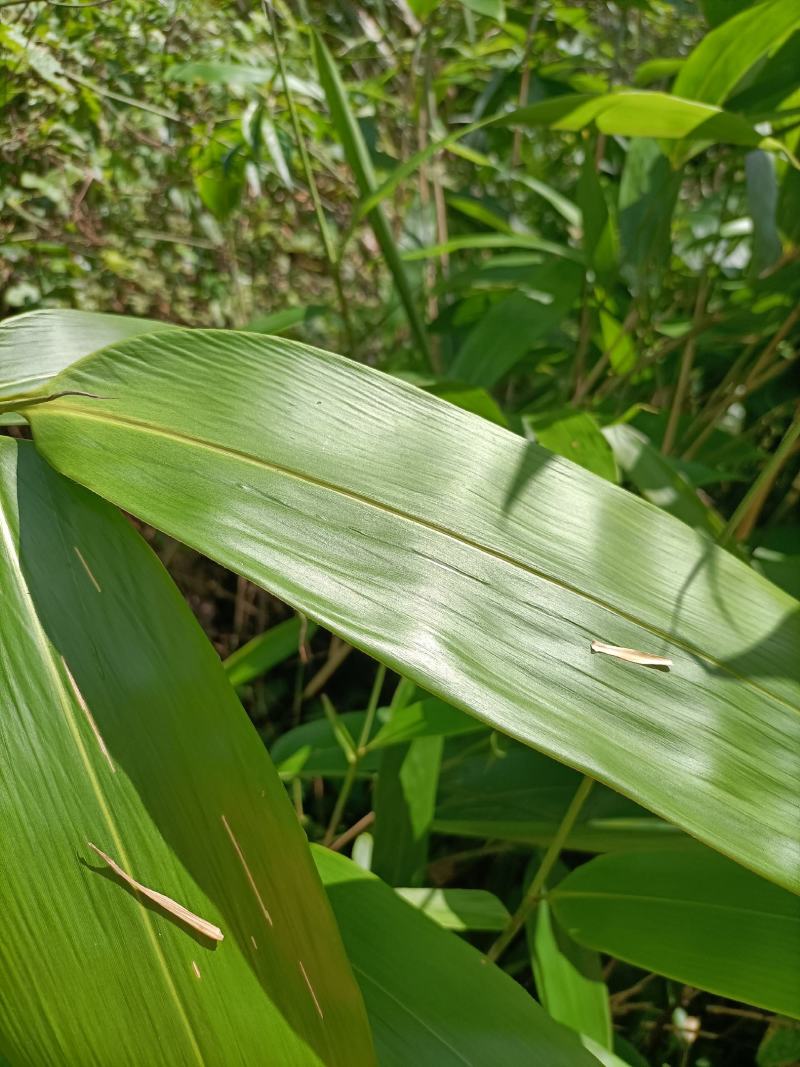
(603, 279)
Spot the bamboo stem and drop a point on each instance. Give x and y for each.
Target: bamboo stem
(360, 752)
(322, 223)
(684, 375)
(535, 889)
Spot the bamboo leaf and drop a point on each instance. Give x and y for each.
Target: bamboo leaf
(423, 718)
(658, 480)
(266, 651)
(724, 56)
(457, 1009)
(465, 558)
(513, 793)
(575, 435)
(121, 736)
(693, 916)
(36, 345)
(459, 909)
(569, 978)
(642, 113)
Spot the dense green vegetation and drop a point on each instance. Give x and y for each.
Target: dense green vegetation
(446, 355)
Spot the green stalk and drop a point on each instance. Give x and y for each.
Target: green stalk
(358, 755)
(534, 893)
(358, 158)
(684, 375)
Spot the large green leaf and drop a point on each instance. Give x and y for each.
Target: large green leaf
(431, 998)
(510, 792)
(694, 916)
(475, 563)
(38, 344)
(119, 728)
(730, 51)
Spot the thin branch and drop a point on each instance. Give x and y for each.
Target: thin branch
(525, 80)
(357, 828)
(339, 651)
(536, 888)
(322, 223)
(684, 375)
(358, 755)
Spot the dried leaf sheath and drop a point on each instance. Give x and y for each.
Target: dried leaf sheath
(200, 925)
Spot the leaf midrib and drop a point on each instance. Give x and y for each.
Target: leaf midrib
(212, 446)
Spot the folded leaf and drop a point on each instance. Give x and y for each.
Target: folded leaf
(36, 345)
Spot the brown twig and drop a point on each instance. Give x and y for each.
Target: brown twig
(684, 375)
(357, 828)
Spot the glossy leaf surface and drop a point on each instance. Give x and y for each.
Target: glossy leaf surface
(477, 564)
(37, 345)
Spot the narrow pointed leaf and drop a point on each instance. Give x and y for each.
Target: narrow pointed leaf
(120, 731)
(569, 978)
(471, 561)
(266, 651)
(357, 154)
(454, 1010)
(730, 51)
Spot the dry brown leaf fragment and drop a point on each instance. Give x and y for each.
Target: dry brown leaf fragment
(202, 926)
(631, 655)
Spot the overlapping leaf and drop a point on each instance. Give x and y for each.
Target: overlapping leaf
(469, 560)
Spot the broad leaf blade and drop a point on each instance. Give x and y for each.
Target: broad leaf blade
(693, 916)
(467, 559)
(119, 728)
(36, 345)
(456, 1008)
